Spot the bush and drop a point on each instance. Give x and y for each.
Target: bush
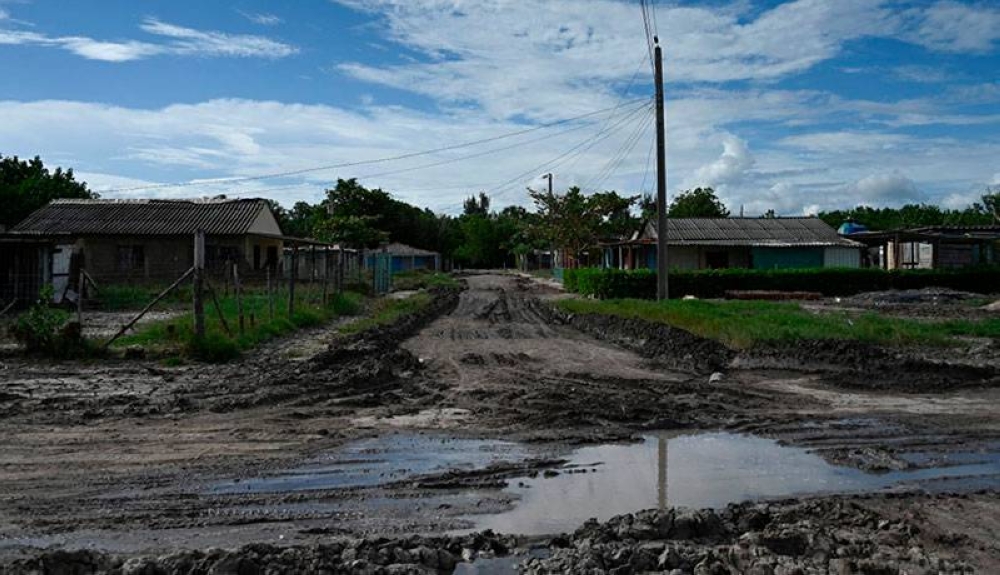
(641, 284)
(45, 330)
(213, 348)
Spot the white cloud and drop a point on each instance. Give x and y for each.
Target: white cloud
(950, 26)
(537, 58)
(181, 41)
(262, 18)
(883, 190)
(202, 43)
(730, 168)
(996, 179)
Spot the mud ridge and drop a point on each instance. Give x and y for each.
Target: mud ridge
(670, 346)
(828, 535)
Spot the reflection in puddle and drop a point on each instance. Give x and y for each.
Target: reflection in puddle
(381, 460)
(695, 471)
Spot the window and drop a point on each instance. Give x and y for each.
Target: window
(131, 258)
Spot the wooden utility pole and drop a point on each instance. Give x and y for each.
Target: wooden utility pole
(662, 290)
(549, 178)
(199, 272)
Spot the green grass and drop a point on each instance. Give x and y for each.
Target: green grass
(422, 279)
(386, 311)
(742, 324)
(176, 335)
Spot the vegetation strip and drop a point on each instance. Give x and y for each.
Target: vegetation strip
(744, 324)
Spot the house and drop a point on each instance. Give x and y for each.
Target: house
(405, 258)
(758, 243)
(129, 241)
(933, 247)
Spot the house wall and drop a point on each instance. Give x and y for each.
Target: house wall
(787, 258)
(841, 258)
(166, 258)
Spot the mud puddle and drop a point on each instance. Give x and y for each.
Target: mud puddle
(382, 460)
(708, 470)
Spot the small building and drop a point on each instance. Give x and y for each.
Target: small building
(932, 247)
(405, 258)
(136, 241)
(756, 243)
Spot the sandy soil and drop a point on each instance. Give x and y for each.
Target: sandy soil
(123, 456)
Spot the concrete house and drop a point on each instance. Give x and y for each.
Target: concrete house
(129, 241)
(757, 243)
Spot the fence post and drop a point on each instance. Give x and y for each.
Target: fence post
(239, 295)
(79, 300)
(292, 272)
(326, 274)
(270, 295)
(198, 284)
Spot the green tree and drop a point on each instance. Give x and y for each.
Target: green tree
(351, 231)
(697, 203)
(26, 186)
(991, 203)
(472, 206)
(574, 222)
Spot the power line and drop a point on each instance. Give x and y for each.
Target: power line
(619, 157)
(363, 162)
(483, 153)
(549, 165)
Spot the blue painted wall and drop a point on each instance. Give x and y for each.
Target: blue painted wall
(784, 258)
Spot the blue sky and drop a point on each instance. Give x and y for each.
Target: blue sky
(792, 106)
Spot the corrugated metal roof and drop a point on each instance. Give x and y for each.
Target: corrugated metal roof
(399, 249)
(755, 232)
(142, 217)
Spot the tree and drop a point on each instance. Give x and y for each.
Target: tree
(574, 222)
(991, 203)
(26, 186)
(697, 203)
(473, 207)
(351, 231)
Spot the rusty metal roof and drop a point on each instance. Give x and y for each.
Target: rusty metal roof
(142, 217)
(754, 232)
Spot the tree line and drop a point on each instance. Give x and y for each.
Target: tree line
(481, 236)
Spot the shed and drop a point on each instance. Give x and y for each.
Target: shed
(405, 257)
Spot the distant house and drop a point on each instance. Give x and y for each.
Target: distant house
(128, 241)
(405, 258)
(933, 247)
(757, 243)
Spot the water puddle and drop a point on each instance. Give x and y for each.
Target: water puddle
(695, 471)
(379, 461)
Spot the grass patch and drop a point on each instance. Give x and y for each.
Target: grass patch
(422, 279)
(742, 324)
(177, 334)
(386, 311)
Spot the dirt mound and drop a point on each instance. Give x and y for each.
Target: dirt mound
(995, 306)
(670, 346)
(931, 295)
(859, 365)
(826, 535)
(414, 555)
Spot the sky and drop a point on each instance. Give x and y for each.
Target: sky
(797, 106)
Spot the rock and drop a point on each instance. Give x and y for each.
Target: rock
(716, 377)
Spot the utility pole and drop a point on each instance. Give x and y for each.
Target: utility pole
(662, 291)
(549, 178)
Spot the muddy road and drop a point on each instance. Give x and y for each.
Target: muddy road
(457, 418)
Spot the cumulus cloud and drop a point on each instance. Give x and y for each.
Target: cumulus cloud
(730, 168)
(180, 41)
(883, 190)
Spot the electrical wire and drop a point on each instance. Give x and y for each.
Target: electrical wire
(363, 162)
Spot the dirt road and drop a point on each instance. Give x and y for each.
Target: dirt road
(138, 457)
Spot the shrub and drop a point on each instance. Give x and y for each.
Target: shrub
(213, 348)
(38, 329)
(612, 283)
